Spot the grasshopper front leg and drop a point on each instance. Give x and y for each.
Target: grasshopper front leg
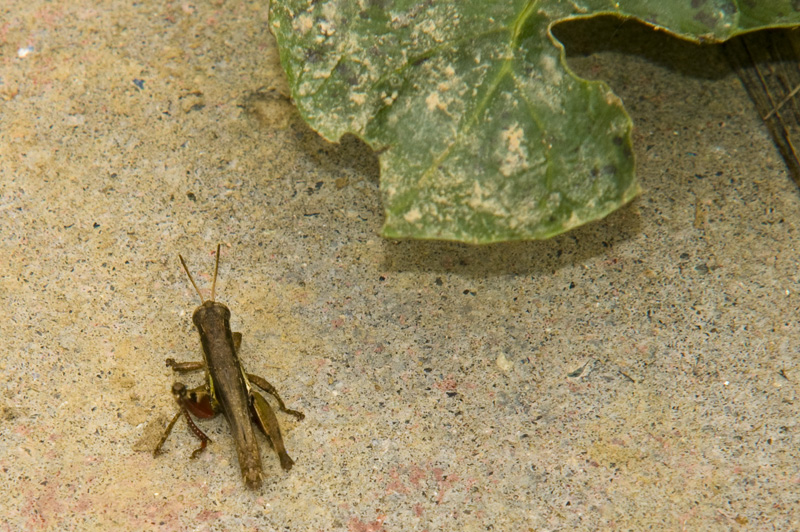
(184, 367)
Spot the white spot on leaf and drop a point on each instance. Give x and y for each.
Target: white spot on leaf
(413, 216)
(515, 158)
(303, 23)
(433, 101)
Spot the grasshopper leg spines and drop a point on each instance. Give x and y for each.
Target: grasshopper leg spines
(197, 432)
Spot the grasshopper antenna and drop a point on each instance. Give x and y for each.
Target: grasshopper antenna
(192, 280)
(216, 269)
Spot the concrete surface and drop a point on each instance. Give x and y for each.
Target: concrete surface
(638, 373)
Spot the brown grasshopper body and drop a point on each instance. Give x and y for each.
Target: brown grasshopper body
(228, 389)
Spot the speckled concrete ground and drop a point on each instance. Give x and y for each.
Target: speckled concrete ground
(638, 373)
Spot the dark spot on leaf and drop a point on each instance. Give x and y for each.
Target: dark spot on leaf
(191, 196)
(701, 268)
(418, 61)
(617, 141)
(347, 74)
(610, 169)
(439, 281)
(705, 19)
(313, 55)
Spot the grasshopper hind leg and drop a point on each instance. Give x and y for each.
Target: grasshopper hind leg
(268, 423)
(199, 403)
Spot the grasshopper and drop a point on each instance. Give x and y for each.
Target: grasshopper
(228, 389)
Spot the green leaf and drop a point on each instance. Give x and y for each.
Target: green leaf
(484, 133)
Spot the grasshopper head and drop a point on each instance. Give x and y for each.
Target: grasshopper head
(210, 312)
